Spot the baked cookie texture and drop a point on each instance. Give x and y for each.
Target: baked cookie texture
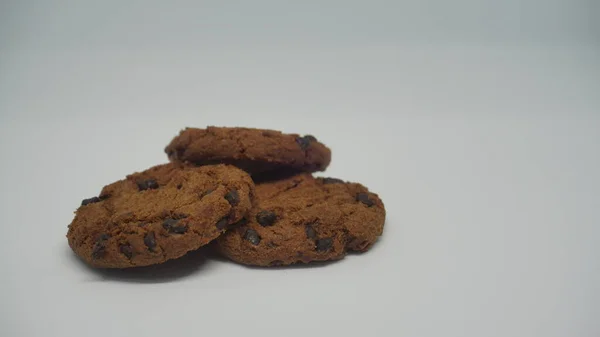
(253, 150)
(159, 214)
(304, 219)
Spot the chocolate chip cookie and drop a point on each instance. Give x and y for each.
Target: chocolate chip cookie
(253, 150)
(304, 219)
(159, 214)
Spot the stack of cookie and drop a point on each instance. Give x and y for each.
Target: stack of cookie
(249, 192)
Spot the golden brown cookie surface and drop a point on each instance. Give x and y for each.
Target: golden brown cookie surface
(253, 150)
(159, 214)
(304, 219)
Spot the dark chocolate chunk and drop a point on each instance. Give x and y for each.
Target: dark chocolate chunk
(304, 142)
(98, 250)
(276, 263)
(150, 241)
(242, 222)
(103, 237)
(311, 138)
(332, 181)
(90, 201)
(364, 198)
(266, 218)
(149, 184)
(126, 250)
(324, 245)
(221, 224)
(252, 236)
(178, 229)
(232, 197)
(171, 225)
(310, 232)
(169, 222)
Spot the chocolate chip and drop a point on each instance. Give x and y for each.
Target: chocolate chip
(98, 250)
(171, 226)
(222, 223)
(311, 138)
(169, 222)
(252, 236)
(179, 186)
(304, 142)
(103, 237)
(276, 263)
(364, 198)
(178, 229)
(149, 184)
(150, 241)
(242, 222)
(332, 181)
(126, 250)
(266, 218)
(310, 232)
(232, 197)
(324, 245)
(90, 201)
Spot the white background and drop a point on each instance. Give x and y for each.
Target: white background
(477, 122)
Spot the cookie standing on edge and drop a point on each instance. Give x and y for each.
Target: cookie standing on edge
(253, 150)
(159, 214)
(304, 219)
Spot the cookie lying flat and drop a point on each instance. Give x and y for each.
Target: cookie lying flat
(253, 150)
(304, 219)
(159, 214)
